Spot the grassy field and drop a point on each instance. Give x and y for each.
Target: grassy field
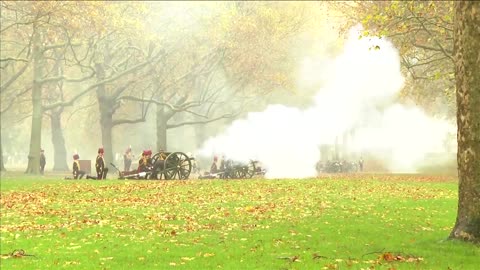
(334, 222)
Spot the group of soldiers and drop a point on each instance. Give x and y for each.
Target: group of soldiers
(100, 167)
(145, 164)
(148, 164)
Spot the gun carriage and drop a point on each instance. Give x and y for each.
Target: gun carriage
(163, 165)
(336, 167)
(238, 170)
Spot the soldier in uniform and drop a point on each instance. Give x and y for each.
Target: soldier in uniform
(149, 159)
(159, 164)
(214, 168)
(43, 161)
(127, 159)
(143, 162)
(100, 165)
(223, 166)
(77, 173)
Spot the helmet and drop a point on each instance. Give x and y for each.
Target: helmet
(76, 156)
(100, 150)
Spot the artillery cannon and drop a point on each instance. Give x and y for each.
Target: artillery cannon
(336, 167)
(238, 170)
(230, 169)
(163, 165)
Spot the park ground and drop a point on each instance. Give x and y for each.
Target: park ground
(362, 221)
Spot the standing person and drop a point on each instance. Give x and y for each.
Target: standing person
(214, 168)
(127, 159)
(360, 164)
(222, 164)
(100, 165)
(76, 168)
(43, 161)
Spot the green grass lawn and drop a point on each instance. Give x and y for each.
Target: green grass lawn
(358, 222)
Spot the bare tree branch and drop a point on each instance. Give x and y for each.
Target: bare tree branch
(14, 99)
(446, 52)
(225, 116)
(128, 121)
(111, 79)
(12, 79)
(66, 79)
(14, 59)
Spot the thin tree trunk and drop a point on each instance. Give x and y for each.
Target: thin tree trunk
(36, 131)
(467, 74)
(58, 141)
(161, 128)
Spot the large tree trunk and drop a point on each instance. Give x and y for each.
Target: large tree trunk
(105, 107)
(161, 120)
(106, 122)
(467, 73)
(60, 152)
(2, 166)
(36, 131)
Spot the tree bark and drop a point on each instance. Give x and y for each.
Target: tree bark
(58, 141)
(36, 132)
(106, 122)
(161, 128)
(105, 106)
(467, 74)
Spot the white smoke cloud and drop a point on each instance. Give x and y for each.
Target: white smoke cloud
(359, 94)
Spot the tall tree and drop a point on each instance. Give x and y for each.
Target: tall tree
(467, 73)
(64, 25)
(241, 48)
(14, 63)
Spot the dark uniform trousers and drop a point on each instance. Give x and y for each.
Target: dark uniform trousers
(100, 168)
(77, 173)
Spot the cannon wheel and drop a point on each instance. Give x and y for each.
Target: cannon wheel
(239, 173)
(177, 166)
(250, 170)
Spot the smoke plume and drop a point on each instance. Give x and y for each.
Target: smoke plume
(358, 96)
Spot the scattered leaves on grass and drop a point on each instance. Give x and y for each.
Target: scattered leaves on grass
(136, 212)
(391, 257)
